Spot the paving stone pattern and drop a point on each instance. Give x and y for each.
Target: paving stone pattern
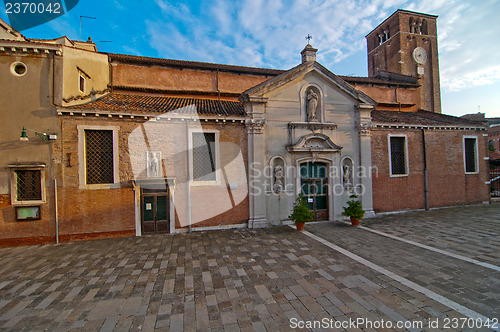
(232, 280)
(472, 231)
(475, 287)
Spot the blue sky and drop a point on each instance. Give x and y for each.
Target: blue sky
(271, 34)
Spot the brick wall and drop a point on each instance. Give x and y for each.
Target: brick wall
(111, 211)
(384, 94)
(395, 55)
(31, 232)
(158, 77)
(447, 182)
(495, 137)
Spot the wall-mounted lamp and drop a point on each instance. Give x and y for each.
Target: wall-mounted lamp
(45, 137)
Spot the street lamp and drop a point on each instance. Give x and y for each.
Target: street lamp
(45, 137)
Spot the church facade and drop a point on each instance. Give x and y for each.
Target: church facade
(135, 145)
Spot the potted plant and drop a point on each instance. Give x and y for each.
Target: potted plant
(301, 213)
(354, 210)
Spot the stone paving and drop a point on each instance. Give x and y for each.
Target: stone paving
(472, 231)
(242, 280)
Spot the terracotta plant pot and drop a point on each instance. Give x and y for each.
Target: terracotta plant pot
(354, 221)
(300, 226)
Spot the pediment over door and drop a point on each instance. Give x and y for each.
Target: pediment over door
(314, 142)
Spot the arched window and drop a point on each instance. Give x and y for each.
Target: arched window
(424, 27)
(412, 24)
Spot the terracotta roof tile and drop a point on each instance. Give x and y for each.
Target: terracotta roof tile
(142, 104)
(194, 64)
(168, 91)
(422, 118)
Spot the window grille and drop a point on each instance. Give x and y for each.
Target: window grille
(29, 185)
(204, 157)
(470, 155)
(99, 156)
(398, 158)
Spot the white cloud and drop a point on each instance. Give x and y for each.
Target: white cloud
(271, 33)
(267, 33)
(468, 55)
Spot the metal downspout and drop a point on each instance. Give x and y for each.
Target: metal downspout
(189, 176)
(426, 181)
(56, 212)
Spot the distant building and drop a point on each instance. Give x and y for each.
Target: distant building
(146, 145)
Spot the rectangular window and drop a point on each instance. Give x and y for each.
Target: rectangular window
(99, 157)
(398, 157)
(470, 154)
(204, 163)
(29, 185)
(81, 83)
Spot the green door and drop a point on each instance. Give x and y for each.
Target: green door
(155, 212)
(314, 188)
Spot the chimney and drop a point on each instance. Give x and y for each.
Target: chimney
(309, 53)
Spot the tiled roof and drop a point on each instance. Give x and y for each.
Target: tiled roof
(424, 118)
(194, 64)
(178, 92)
(142, 104)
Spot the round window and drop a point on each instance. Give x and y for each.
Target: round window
(18, 69)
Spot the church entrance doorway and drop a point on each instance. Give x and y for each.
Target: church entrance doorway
(314, 188)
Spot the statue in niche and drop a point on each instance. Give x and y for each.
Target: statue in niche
(312, 105)
(347, 177)
(153, 164)
(278, 179)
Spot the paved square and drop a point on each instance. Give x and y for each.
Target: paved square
(267, 279)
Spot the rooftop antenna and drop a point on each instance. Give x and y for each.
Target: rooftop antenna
(82, 16)
(103, 41)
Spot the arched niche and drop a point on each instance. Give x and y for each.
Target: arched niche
(278, 174)
(347, 172)
(312, 93)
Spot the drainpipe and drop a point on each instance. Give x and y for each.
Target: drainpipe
(55, 175)
(57, 216)
(426, 182)
(218, 91)
(189, 177)
(53, 79)
(397, 101)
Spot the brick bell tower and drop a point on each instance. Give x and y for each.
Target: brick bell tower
(406, 43)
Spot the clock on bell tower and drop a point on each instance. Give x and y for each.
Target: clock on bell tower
(406, 43)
